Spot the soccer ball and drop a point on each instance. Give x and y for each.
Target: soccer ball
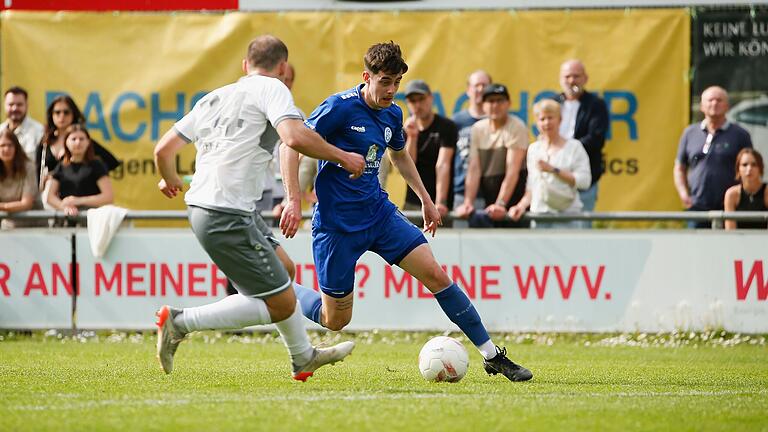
(443, 359)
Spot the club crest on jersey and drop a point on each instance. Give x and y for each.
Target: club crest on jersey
(371, 156)
(387, 134)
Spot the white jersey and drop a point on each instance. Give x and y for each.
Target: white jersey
(233, 128)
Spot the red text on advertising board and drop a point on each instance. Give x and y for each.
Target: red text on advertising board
(539, 279)
(151, 279)
(756, 276)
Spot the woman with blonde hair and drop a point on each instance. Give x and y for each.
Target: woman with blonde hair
(557, 167)
(751, 194)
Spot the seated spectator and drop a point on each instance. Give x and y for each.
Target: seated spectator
(61, 114)
(80, 181)
(18, 182)
(751, 193)
(557, 167)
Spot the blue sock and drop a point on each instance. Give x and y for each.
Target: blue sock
(310, 302)
(460, 310)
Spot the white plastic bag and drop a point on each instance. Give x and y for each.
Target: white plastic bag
(103, 223)
(555, 193)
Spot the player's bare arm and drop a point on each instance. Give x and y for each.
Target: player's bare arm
(165, 160)
(403, 162)
(289, 169)
(443, 170)
(295, 135)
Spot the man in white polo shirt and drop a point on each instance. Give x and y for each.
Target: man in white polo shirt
(235, 129)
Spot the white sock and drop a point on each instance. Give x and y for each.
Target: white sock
(295, 337)
(488, 350)
(232, 312)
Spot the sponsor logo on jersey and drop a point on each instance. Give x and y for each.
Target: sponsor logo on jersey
(346, 96)
(387, 134)
(371, 156)
(360, 129)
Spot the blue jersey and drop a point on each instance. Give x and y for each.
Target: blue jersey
(346, 121)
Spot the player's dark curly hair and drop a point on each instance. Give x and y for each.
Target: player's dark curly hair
(385, 57)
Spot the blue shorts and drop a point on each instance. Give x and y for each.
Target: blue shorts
(336, 253)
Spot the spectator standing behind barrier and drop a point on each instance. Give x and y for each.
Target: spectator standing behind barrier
(307, 175)
(27, 130)
(751, 194)
(706, 155)
(557, 169)
(476, 83)
(18, 183)
(585, 118)
(61, 114)
(497, 170)
(80, 181)
(431, 143)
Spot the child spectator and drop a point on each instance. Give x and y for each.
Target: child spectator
(80, 181)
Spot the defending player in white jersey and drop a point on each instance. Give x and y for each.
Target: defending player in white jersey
(234, 129)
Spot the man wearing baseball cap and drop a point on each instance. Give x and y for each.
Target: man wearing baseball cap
(496, 173)
(431, 142)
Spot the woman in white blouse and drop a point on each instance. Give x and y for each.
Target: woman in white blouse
(556, 168)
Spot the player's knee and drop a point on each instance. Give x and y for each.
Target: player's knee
(281, 313)
(281, 306)
(436, 279)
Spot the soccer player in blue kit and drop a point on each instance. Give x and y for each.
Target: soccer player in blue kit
(355, 215)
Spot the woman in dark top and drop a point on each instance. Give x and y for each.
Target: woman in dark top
(61, 114)
(80, 180)
(750, 194)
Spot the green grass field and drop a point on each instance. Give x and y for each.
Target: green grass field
(582, 382)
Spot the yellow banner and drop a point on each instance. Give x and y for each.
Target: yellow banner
(134, 74)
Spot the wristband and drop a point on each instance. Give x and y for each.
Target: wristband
(501, 203)
(556, 170)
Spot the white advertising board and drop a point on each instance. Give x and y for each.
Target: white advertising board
(518, 280)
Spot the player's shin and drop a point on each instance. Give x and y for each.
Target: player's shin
(295, 337)
(311, 302)
(232, 312)
(462, 312)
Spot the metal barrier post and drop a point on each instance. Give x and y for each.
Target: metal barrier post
(75, 284)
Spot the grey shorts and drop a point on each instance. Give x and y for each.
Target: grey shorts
(238, 246)
(265, 230)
